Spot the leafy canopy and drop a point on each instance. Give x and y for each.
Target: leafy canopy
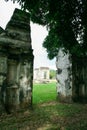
(66, 21)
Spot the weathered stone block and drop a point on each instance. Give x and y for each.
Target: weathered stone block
(16, 63)
(72, 78)
(64, 77)
(79, 80)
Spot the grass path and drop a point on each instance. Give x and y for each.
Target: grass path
(47, 113)
(47, 116)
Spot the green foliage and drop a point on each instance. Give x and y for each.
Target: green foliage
(52, 74)
(67, 25)
(52, 44)
(66, 21)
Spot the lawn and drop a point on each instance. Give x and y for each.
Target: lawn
(47, 116)
(44, 92)
(47, 113)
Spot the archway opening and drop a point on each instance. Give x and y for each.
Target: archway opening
(44, 86)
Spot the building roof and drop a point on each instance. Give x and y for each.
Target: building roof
(19, 19)
(17, 32)
(42, 68)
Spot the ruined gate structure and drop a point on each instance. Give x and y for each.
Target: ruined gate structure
(16, 63)
(64, 77)
(71, 78)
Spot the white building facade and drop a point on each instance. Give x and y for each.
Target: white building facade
(42, 74)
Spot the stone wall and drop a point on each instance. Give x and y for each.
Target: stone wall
(79, 80)
(64, 77)
(16, 63)
(71, 78)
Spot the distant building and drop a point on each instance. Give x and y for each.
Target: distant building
(42, 74)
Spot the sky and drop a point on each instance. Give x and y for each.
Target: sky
(38, 34)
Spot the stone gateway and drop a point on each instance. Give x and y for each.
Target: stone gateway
(16, 63)
(71, 77)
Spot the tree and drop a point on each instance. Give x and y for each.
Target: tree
(68, 28)
(52, 74)
(66, 22)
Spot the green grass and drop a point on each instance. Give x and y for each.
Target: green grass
(44, 92)
(56, 116)
(47, 114)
